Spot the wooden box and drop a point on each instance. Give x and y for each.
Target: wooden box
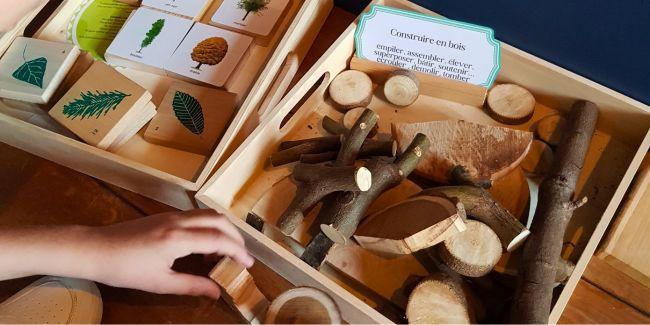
(166, 174)
(621, 141)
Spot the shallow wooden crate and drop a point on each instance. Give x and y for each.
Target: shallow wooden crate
(621, 140)
(161, 173)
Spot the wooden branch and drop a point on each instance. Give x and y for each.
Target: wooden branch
(333, 127)
(351, 89)
(316, 181)
(532, 303)
(411, 225)
(370, 148)
(438, 299)
(326, 141)
(473, 252)
(484, 152)
(239, 290)
(303, 305)
(293, 153)
(479, 204)
(402, 88)
(340, 223)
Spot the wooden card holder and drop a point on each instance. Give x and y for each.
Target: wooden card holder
(621, 140)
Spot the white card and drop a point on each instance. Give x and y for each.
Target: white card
(32, 69)
(149, 37)
(433, 45)
(201, 56)
(259, 21)
(189, 8)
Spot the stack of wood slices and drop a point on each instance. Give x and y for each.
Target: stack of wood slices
(436, 210)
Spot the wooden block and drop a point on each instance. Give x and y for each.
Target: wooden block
(99, 105)
(453, 90)
(191, 118)
(208, 54)
(259, 21)
(144, 117)
(239, 290)
(147, 40)
(192, 9)
(31, 69)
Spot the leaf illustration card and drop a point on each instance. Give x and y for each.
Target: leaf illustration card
(32, 69)
(209, 54)
(100, 105)
(189, 8)
(257, 17)
(191, 118)
(147, 40)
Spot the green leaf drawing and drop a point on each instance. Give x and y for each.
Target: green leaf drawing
(96, 105)
(32, 71)
(188, 110)
(155, 29)
(255, 6)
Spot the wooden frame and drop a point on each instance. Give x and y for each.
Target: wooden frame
(618, 147)
(175, 175)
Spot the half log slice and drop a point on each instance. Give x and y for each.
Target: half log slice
(510, 104)
(411, 225)
(303, 305)
(484, 152)
(438, 299)
(350, 89)
(472, 253)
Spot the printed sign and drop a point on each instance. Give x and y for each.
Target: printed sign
(433, 45)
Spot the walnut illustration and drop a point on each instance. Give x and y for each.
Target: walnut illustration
(210, 51)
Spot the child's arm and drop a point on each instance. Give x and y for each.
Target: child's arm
(14, 10)
(136, 254)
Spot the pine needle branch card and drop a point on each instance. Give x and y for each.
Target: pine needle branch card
(188, 8)
(32, 69)
(257, 17)
(437, 46)
(99, 105)
(209, 54)
(191, 118)
(147, 40)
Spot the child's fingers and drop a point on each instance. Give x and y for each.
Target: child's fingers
(192, 285)
(215, 221)
(211, 241)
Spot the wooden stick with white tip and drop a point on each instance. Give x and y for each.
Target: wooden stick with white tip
(303, 305)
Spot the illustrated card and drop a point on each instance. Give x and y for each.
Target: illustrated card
(32, 69)
(149, 37)
(98, 103)
(209, 54)
(188, 8)
(191, 118)
(251, 16)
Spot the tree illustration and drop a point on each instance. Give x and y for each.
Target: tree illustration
(209, 51)
(155, 29)
(255, 6)
(93, 104)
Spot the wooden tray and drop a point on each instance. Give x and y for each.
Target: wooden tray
(615, 153)
(165, 174)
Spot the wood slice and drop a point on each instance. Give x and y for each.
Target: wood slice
(485, 152)
(303, 305)
(402, 88)
(438, 299)
(351, 89)
(473, 252)
(539, 158)
(510, 104)
(550, 129)
(411, 225)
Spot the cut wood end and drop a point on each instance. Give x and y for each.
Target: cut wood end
(510, 104)
(303, 305)
(363, 178)
(518, 240)
(333, 234)
(438, 299)
(351, 89)
(402, 88)
(473, 252)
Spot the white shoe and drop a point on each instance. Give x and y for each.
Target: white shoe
(54, 300)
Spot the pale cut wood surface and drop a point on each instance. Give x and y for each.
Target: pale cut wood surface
(510, 103)
(438, 299)
(303, 305)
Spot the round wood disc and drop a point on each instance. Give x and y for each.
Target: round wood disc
(438, 299)
(539, 158)
(303, 305)
(550, 129)
(473, 252)
(351, 89)
(510, 104)
(402, 88)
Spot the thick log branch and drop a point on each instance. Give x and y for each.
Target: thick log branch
(532, 303)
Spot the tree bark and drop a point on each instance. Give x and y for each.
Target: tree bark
(532, 303)
(370, 148)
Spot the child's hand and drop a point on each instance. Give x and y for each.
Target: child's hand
(139, 254)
